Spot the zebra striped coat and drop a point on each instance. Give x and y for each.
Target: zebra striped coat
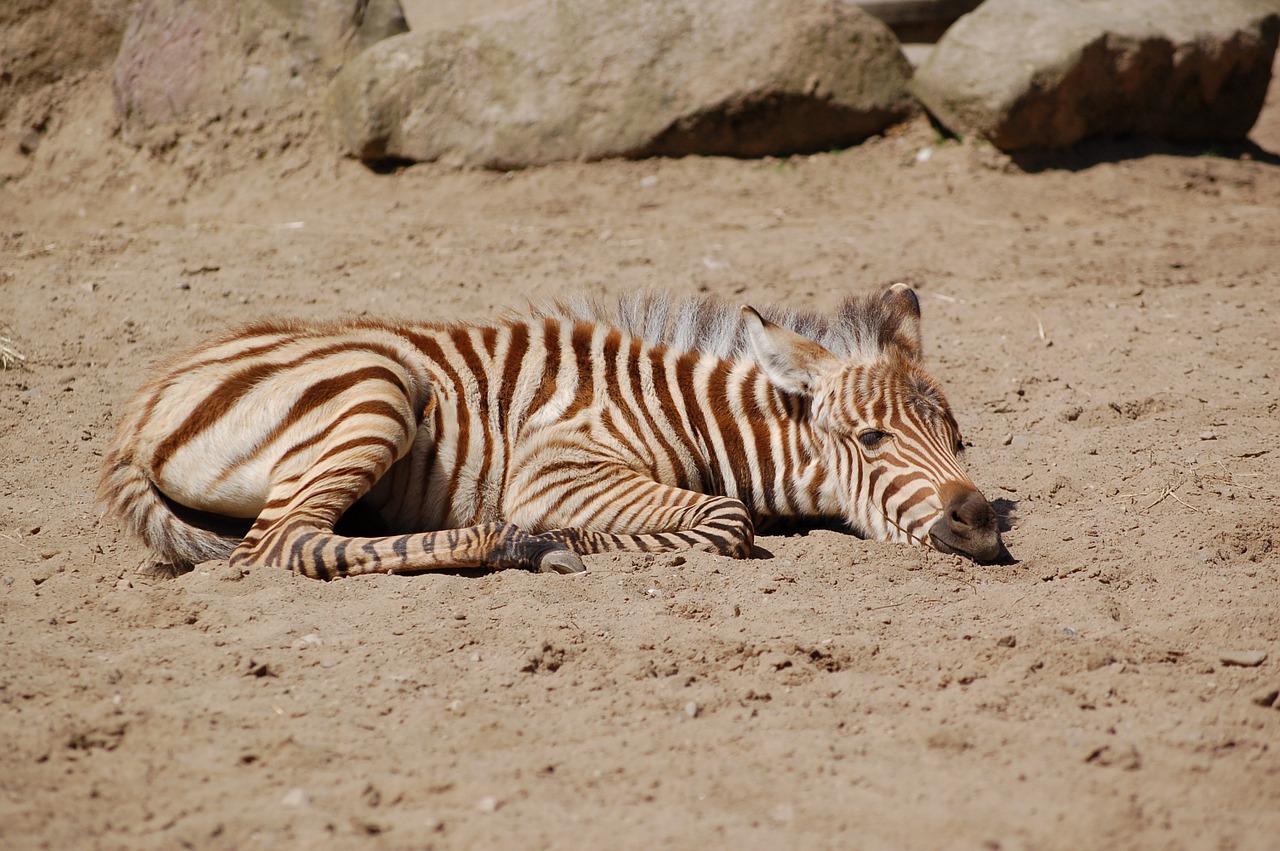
(528, 441)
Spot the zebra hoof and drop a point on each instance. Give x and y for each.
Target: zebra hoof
(561, 561)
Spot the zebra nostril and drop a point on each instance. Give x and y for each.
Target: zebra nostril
(969, 526)
(969, 511)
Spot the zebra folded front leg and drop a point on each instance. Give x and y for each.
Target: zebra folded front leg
(306, 548)
(713, 524)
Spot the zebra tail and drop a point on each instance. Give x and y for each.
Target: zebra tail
(126, 490)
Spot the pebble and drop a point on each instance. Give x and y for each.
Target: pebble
(308, 640)
(296, 798)
(1069, 632)
(1268, 698)
(691, 709)
(1243, 658)
(1007, 641)
(1208, 435)
(488, 804)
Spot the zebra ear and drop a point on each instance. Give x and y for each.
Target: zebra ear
(904, 307)
(792, 362)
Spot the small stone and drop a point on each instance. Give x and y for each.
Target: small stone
(29, 141)
(1208, 435)
(296, 798)
(691, 709)
(1243, 658)
(488, 804)
(308, 640)
(1007, 439)
(1125, 757)
(1069, 632)
(1007, 641)
(1268, 698)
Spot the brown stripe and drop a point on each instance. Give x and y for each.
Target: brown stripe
(735, 450)
(581, 340)
(758, 420)
(430, 347)
(471, 359)
(489, 339)
(504, 396)
(551, 370)
(635, 359)
(692, 407)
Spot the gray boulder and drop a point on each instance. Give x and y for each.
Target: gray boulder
(185, 61)
(588, 79)
(1049, 73)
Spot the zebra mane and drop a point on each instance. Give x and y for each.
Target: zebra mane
(864, 328)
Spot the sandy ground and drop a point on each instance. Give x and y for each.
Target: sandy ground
(1105, 324)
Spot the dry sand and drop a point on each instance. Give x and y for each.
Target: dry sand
(1105, 324)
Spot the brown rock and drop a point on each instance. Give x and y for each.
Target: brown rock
(1028, 74)
(587, 79)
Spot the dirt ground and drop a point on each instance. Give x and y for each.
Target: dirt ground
(1105, 324)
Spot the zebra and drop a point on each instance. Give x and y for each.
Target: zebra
(529, 441)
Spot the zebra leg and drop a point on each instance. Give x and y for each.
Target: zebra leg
(604, 507)
(308, 494)
(311, 549)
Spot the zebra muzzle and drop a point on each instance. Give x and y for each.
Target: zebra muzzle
(968, 525)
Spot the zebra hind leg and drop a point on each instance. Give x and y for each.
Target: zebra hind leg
(296, 528)
(306, 547)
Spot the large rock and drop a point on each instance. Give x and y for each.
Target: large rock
(1049, 73)
(184, 61)
(587, 79)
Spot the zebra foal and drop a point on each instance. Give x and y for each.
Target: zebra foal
(526, 442)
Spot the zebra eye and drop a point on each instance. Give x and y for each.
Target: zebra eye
(872, 439)
(959, 445)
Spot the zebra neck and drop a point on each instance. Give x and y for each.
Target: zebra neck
(756, 442)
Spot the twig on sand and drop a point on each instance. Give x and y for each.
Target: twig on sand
(9, 356)
(1170, 493)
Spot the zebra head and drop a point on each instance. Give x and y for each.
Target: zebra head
(882, 430)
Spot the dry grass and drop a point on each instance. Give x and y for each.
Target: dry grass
(9, 356)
